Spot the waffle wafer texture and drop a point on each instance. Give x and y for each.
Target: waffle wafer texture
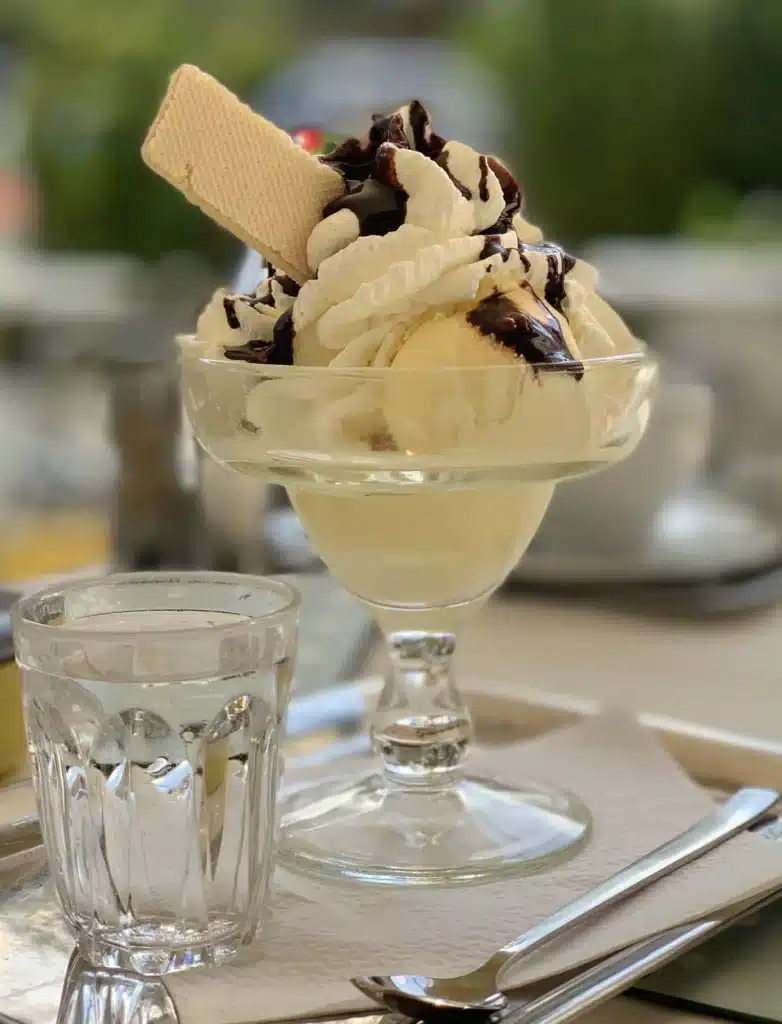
(240, 169)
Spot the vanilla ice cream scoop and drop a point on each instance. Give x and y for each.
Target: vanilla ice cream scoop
(532, 415)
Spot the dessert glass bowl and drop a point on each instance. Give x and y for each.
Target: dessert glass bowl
(421, 489)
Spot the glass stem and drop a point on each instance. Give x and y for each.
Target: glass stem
(422, 728)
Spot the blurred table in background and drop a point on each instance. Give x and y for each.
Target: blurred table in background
(46, 288)
(54, 544)
(715, 310)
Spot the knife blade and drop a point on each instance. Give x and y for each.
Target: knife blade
(618, 972)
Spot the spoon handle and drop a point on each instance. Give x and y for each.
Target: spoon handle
(741, 810)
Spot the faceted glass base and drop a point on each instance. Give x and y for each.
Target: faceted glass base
(472, 831)
(163, 949)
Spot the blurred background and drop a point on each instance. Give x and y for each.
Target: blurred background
(646, 133)
(648, 138)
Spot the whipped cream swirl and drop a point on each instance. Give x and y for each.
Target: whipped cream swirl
(421, 224)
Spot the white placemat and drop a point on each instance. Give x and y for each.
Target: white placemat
(319, 934)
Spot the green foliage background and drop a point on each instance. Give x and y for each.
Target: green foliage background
(94, 73)
(639, 116)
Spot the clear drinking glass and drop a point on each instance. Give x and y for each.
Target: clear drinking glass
(154, 705)
(421, 489)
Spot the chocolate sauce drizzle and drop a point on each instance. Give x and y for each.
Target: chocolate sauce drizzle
(539, 341)
(558, 267)
(483, 188)
(560, 264)
(384, 170)
(229, 305)
(442, 160)
(382, 441)
(379, 206)
(282, 343)
(493, 247)
(369, 162)
(424, 139)
(511, 193)
(355, 158)
(252, 352)
(374, 194)
(289, 287)
(278, 351)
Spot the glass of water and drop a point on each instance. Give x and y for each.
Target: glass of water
(154, 705)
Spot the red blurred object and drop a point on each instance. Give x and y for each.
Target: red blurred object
(311, 139)
(16, 204)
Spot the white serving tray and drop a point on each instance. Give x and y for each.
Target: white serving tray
(321, 727)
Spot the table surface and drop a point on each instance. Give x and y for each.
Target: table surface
(722, 673)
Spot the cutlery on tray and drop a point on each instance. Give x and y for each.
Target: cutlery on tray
(619, 971)
(418, 996)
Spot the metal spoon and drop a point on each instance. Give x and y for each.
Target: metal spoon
(420, 997)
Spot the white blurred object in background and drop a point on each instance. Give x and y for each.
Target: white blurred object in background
(340, 83)
(615, 513)
(716, 309)
(702, 496)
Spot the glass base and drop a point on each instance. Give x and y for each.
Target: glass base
(472, 831)
(161, 949)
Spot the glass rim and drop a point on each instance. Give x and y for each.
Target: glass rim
(642, 356)
(21, 621)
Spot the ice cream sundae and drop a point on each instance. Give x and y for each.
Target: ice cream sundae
(419, 368)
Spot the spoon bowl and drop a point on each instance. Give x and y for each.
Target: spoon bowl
(418, 997)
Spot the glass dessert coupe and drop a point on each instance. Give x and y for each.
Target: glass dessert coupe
(421, 489)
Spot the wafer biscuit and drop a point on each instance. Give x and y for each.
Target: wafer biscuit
(241, 170)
